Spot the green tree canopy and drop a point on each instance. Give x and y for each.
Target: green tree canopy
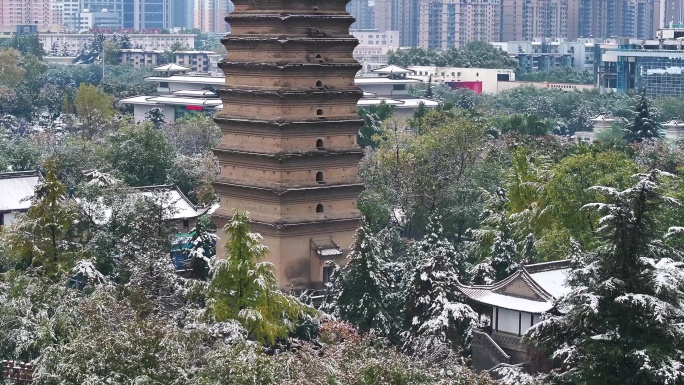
(621, 320)
(93, 109)
(245, 288)
(476, 54)
(140, 155)
(45, 236)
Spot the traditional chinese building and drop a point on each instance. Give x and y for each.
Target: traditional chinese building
(513, 306)
(17, 190)
(288, 154)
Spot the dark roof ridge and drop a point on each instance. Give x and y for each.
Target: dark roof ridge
(547, 266)
(18, 174)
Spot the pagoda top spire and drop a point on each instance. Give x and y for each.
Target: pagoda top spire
(299, 6)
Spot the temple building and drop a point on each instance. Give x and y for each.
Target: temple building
(513, 306)
(288, 153)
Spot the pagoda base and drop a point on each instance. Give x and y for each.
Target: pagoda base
(300, 252)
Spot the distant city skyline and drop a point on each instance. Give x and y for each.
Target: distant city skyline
(433, 24)
(82, 15)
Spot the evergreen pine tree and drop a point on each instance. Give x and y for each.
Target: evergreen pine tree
(203, 249)
(434, 316)
(622, 319)
(245, 289)
(644, 123)
(429, 93)
(529, 252)
(156, 117)
(495, 246)
(504, 256)
(332, 291)
(44, 236)
(365, 287)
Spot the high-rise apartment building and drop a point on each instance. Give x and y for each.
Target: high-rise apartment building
(26, 12)
(184, 13)
(619, 18)
(398, 15)
(149, 14)
(89, 9)
(66, 13)
(447, 24)
(530, 19)
(288, 153)
(671, 12)
(363, 11)
(210, 15)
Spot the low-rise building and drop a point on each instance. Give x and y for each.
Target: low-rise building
(17, 189)
(513, 306)
(180, 93)
(194, 61)
(70, 43)
(565, 87)
(488, 78)
(674, 129)
(199, 61)
(139, 58)
(543, 55)
(88, 20)
(390, 85)
(374, 46)
(371, 57)
(655, 66)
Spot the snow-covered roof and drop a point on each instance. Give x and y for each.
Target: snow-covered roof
(171, 68)
(547, 281)
(553, 281)
(173, 101)
(486, 296)
(366, 81)
(392, 69)
(195, 93)
(326, 248)
(189, 79)
(398, 103)
(15, 190)
(180, 206)
(175, 203)
(674, 123)
(602, 118)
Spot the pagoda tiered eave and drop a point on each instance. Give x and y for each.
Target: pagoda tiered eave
(298, 222)
(287, 122)
(227, 64)
(293, 189)
(290, 92)
(354, 153)
(284, 39)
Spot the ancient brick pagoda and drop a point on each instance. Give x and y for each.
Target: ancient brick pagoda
(288, 153)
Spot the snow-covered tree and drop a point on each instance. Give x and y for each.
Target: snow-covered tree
(434, 315)
(494, 245)
(202, 250)
(156, 117)
(44, 236)
(504, 256)
(245, 289)
(365, 287)
(85, 274)
(621, 322)
(644, 123)
(332, 290)
(529, 252)
(117, 345)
